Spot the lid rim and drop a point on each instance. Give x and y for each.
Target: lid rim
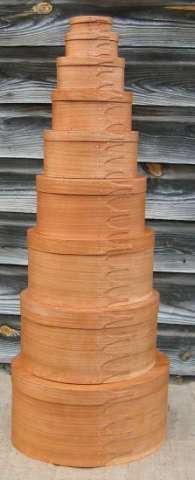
(90, 19)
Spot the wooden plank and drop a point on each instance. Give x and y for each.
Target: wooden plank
(12, 322)
(9, 349)
(167, 135)
(170, 196)
(184, 4)
(28, 24)
(16, 166)
(28, 74)
(179, 345)
(13, 279)
(160, 76)
(174, 248)
(177, 294)
(190, 7)
(21, 129)
(9, 337)
(13, 229)
(157, 76)
(13, 242)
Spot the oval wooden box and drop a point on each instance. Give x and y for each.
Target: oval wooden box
(104, 116)
(70, 155)
(90, 23)
(102, 75)
(88, 426)
(89, 388)
(91, 281)
(54, 244)
(89, 354)
(92, 44)
(67, 207)
(120, 315)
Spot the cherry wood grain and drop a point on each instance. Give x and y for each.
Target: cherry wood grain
(111, 344)
(82, 425)
(67, 207)
(93, 280)
(104, 355)
(69, 155)
(88, 246)
(104, 116)
(89, 381)
(158, 76)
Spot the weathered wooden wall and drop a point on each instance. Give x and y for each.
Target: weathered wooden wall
(158, 43)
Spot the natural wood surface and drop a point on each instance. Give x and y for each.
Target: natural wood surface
(111, 344)
(174, 246)
(174, 461)
(96, 281)
(91, 44)
(109, 117)
(105, 355)
(75, 73)
(113, 316)
(158, 46)
(136, 27)
(166, 134)
(13, 230)
(124, 3)
(65, 154)
(179, 344)
(109, 416)
(170, 193)
(90, 259)
(66, 207)
(157, 76)
(176, 341)
(177, 294)
(116, 242)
